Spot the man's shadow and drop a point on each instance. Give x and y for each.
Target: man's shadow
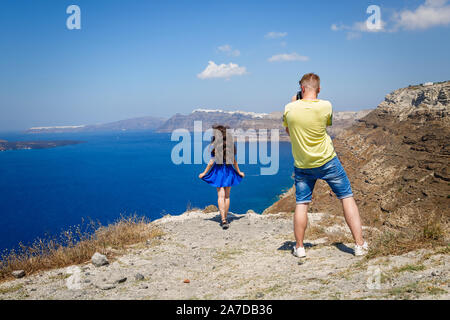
(289, 245)
(342, 247)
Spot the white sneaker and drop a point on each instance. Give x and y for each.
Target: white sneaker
(361, 250)
(299, 252)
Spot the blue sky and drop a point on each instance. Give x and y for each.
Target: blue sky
(136, 58)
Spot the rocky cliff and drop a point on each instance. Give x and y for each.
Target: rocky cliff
(397, 158)
(250, 120)
(234, 119)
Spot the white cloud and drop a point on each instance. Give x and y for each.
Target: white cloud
(287, 57)
(362, 27)
(275, 35)
(354, 31)
(430, 14)
(222, 71)
(229, 50)
(335, 27)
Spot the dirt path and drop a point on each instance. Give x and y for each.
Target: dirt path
(251, 260)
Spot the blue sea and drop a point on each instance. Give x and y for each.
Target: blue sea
(43, 192)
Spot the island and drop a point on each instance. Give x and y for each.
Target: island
(27, 145)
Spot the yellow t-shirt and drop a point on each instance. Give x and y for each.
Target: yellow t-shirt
(307, 121)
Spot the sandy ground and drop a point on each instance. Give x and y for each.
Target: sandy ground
(251, 260)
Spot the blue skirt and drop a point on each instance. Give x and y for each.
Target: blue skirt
(222, 175)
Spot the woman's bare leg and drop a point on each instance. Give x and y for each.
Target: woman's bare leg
(227, 200)
(221, 202)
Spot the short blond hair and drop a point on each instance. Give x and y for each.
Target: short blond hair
(311, 80)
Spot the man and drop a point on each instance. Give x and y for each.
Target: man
(306, 121)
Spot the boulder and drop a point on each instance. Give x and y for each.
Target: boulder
(18, 274)
(139, 277)
(99, 260)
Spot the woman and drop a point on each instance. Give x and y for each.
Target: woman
(222, 170)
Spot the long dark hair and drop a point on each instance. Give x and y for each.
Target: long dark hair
(222, 143)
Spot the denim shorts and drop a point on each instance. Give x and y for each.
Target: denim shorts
(332, 172)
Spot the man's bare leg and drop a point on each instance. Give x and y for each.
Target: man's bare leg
(353, 219)
(300, 223)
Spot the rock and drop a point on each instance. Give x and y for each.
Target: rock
(259, 295)
(210, 208)
(120, 279)
(250, 212)
(73, 282)
(18, 274)
(99, 260)
(139, 277)
(105, 286)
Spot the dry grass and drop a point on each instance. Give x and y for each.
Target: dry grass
(11, 289)
(409, 268)
(77, 246)
(190, 208)
(414, 290)
(338, 237)
(314, 232)
(433, 230)
(393, 242)
(425, 231)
